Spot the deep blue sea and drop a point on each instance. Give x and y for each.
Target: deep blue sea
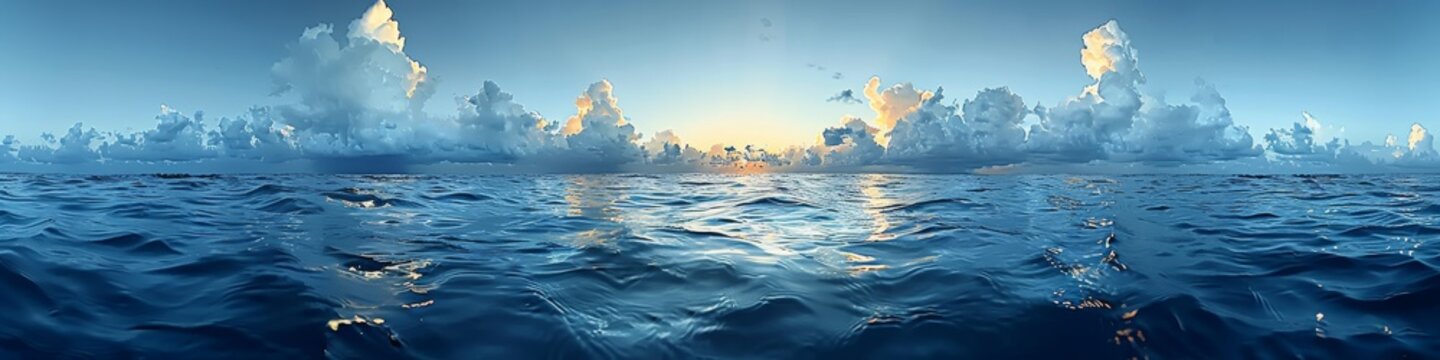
(719, 266)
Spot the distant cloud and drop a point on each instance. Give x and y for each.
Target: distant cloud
(1300, 144)
(1298, 140)
(846, 96)
(821, 68)
(852, 143)
(72, 148)
(1110, 120)
(8, 147)
(667, 148)
(599, 132)
(176, 137)
(1420, 143)
(765, 36)
(255, 136)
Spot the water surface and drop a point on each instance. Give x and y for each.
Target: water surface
(725, 266)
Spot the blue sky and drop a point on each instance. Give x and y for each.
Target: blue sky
(703, 69)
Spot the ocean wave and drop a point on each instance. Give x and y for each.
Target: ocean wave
(718, 266)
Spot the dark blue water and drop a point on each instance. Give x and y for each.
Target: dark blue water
(722, 266)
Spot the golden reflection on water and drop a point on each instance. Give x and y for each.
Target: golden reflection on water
(875, 203)
(592, 197)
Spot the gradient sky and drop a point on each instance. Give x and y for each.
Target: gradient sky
(703, 69)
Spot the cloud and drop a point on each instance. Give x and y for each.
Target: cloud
(1300, 144)
(820, 68)
(356, 104)
(359, 99)
(176, 137)
(491, 127)
(846, 96)
(1420, 142)
(985, 132)
(1419, 149)
(765, 36)
(1107, 52)
(1165, 134)
(599, 133)
(72, 148)
(1110, 120)
(892, 103)
(1301, 140)
(256, 137)
(377, 24)
(850, 144)
(1079, 129)
(667, 148)
(8, 147)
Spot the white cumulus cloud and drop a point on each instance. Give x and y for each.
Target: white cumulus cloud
(360, 98)
(176, 137)
(75, 147)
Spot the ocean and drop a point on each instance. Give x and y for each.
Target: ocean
(719, 266)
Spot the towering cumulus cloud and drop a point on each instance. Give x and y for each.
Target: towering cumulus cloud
(1079, 129)
(359, 99)
(599, 134)
(1113, 120)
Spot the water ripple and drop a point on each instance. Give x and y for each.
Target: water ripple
(719, 266)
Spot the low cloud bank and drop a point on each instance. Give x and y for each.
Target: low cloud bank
(1111, 120)
(359, 102)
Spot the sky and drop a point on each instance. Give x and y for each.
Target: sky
(733, 72)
